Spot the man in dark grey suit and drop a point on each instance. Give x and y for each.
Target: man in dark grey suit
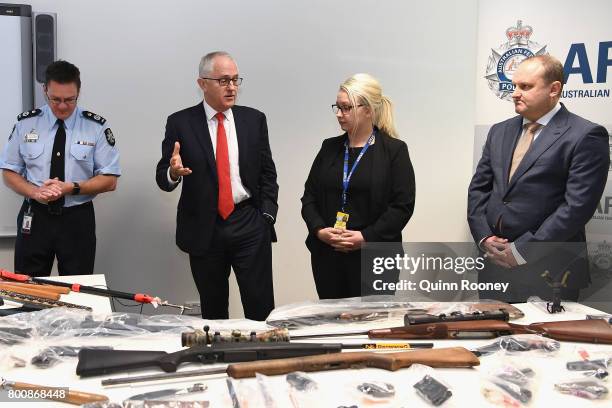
(537, 184)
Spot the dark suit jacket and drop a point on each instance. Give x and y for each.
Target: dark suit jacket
(197, 207)
(392, 194)
(554, 191)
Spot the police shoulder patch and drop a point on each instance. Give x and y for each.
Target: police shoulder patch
(94, 116)
(29, 114)
(110, 138)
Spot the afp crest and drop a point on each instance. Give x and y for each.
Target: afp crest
(504, 60)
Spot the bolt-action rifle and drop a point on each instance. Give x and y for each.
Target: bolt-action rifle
(452, 357)
(586, 331)
(98, 362)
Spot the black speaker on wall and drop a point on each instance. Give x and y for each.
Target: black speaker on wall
(44, 38)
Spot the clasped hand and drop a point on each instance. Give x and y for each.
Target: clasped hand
(340, 239)
(51, 190)
(498, 251)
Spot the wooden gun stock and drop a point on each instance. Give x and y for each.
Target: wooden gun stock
(587, 331)
(69, 396)
(47, 288)
(30, 291)
(445, 357)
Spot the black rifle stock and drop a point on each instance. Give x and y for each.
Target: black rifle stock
(99, 362)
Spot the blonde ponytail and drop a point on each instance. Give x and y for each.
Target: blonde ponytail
(385, 120)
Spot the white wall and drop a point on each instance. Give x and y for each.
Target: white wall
(139, 64)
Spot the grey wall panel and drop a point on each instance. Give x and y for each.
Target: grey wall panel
(16, 86)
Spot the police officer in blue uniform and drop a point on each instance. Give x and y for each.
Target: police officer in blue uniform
(59, 157)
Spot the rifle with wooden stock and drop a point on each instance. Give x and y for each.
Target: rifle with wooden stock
(419, 310)
(452, 357)
(586, 331)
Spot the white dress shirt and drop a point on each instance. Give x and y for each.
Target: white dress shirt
(239, 191)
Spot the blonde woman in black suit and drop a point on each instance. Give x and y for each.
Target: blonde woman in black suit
(360, 188)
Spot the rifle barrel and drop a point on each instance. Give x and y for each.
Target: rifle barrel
(164, 376)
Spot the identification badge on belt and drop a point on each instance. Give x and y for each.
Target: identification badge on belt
(26, 225)
(341, 220)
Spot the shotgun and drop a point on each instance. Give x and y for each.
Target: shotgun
(586, 331)
(453, 357)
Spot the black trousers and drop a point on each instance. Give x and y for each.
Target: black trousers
(242, 242)
(339, 275)
(69, 236)
(336, 274)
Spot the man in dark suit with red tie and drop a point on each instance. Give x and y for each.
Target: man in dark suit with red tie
(540, 178)
(221, 154)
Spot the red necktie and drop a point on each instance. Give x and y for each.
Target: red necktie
(225, 205)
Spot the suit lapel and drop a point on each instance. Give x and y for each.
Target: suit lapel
(200, 128)
(242, 135)
(511, 135)
(549, 135)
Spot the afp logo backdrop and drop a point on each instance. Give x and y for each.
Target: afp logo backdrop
(580, 36)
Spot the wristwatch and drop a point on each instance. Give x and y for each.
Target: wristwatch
(76, 189)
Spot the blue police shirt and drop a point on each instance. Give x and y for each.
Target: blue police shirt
(90, 148)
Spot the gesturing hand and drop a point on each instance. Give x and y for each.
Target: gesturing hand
(176, 164)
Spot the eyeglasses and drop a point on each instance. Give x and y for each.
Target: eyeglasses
(226, 81)
(58, 101)
(344, 109)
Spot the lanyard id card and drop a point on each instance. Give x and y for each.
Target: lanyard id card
(341, 220)
(26, 224)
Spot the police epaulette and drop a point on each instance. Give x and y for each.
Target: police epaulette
(29, 114)
(95, 117)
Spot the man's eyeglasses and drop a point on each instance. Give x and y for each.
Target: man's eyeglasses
(344, 109)
(58, 101)
(226, 81)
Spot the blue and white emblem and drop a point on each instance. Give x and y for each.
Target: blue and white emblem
(505, 59)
